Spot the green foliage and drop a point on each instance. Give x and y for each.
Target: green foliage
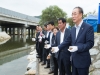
(94, 12)
(89, 13)
(52, 13)
(69, 20)
(84, 15)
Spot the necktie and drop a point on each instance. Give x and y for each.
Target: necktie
(49, 37)
(75, 33)
(40, 33)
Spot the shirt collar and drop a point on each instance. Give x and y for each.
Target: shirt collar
(63, 31)
(79, 24)
(48, 31)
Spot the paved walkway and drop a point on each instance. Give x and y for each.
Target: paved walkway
(43, 71)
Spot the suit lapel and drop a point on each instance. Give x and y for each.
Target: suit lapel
(59, 38)
(65, 34)
(74, 34)
(80, 31)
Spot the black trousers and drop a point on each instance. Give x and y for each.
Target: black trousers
(41, 46)
(55, 66)
(64, 64)
(37, 47)
(79, 71)
(44, 55)
(48, 61)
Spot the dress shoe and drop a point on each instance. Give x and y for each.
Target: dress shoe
(47, 67)
(51, 72)
(37, 56)
(43, 64)
(28, 68)
(40, 61)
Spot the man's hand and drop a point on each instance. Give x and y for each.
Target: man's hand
(39, 37)
(43, 36)
(47, 46)
(49, 55)
(54, 49)
(46, 42)
(73, 48)
(33, 39)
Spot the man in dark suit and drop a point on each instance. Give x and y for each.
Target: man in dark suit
(41, 43)
(37, 43)
(44, 50)
(79, 41)
(63, 56)
(47, 38)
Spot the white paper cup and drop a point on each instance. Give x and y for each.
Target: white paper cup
(33, 39)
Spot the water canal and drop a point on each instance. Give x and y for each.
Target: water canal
(13, 55)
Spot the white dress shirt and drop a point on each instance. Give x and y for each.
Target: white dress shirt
(78, 28)
(47, 34)
(51, 34)
(62, 36)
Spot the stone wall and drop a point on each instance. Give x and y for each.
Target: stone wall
(95, 57)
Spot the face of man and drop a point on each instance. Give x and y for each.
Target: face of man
(51, 26)
(48, 27)
(44, 28)
(40, 28)
(76, 16)
(37, 28)
(61, 25)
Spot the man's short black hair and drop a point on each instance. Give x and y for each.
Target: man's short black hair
(37, 25)
(62, 19)
(51, 22)
(45, 25)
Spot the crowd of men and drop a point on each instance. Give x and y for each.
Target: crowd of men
(65, 51)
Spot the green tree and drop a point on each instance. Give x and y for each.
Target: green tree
(84, 15)
(52, 13)
(89, 13)
(69, 20)
(94, 12)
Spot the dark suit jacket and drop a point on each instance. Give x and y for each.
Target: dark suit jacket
(37, 43)
(47, 38)
(45, 33)
(84, 42)
(65, 51)
(53, 42)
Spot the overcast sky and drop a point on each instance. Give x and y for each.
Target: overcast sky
(35, 7)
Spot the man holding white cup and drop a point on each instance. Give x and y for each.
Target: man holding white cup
(80, 41)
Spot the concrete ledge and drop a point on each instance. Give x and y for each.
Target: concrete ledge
(30, 72)
(33, 61)
(37, 66)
